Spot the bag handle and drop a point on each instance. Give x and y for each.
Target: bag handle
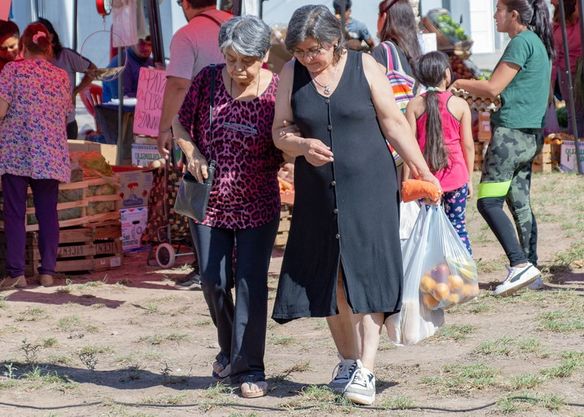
(392, 57)
(212, 98)
(219, 23)
(211, 106)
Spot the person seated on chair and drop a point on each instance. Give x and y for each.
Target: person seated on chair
(138, 56)
(356, 31)
(9, 37)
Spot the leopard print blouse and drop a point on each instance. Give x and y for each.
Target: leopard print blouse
(245, 193)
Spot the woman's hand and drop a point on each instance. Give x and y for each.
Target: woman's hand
(429, 177)
(289, 128)
(316, 152)
(470, 191)
(198, 166)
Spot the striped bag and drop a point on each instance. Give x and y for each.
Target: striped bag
(402, 84)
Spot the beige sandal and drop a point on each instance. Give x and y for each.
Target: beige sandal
(221, 371)
(46, 280)
(9, 283)
(254, 389)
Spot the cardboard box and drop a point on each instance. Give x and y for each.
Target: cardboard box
(143, 154)
(135, 186)
(134, 222)
(568, 155)
(109, 152)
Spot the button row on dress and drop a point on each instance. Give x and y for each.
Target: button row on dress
(333, 183)
(338, 236)
(336, 211)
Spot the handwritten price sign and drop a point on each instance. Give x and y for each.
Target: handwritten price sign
(149, 101)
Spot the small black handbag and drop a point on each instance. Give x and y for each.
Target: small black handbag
(192, 197)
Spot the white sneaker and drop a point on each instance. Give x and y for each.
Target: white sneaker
(361, 389)
(344, 372)
(517, 278)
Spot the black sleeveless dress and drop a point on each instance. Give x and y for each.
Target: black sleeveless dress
(346, 213)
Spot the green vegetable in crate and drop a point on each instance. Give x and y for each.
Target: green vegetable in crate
(449, 27)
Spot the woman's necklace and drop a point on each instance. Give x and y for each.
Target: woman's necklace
(325, 87)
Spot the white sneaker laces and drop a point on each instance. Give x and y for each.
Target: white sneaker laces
(341, 370)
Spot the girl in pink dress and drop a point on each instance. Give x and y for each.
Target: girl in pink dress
(442, 124)
(34, 102)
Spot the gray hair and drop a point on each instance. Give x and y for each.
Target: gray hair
(317, 22)
(246, 35)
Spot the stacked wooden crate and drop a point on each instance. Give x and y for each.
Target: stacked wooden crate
(480, 150)
(284, 227)
(543, 161)
(94, 200)
(89, 228)
(81, 248)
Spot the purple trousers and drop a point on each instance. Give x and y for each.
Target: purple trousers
(45, 193)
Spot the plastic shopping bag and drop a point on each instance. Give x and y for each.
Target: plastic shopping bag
(438, 272)
(408, 214)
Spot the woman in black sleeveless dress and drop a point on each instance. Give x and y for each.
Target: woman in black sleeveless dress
(343, 257)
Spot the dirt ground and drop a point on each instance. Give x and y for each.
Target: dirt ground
(127, 343)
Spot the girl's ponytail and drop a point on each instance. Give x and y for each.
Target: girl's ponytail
(430, 70)
(434, 152)
(541, 25)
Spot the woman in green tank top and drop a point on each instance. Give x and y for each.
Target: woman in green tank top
(522, 78)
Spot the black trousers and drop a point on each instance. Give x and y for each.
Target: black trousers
(241, 325)
(72, 130)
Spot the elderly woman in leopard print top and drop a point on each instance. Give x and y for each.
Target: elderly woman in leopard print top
(243, 212)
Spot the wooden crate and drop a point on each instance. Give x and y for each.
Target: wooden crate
(91, 248)
(284, 227)
(480, 150)
(543, 161)
(81, 203)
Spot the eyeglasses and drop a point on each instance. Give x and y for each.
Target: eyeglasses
(310, 54)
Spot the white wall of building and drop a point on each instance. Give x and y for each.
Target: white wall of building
(476, 17)
(280, 11)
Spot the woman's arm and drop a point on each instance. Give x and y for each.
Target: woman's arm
(86, 80)
(196, 162)
(393, 124)
(285, 134)
(501, 78)
(411, 118)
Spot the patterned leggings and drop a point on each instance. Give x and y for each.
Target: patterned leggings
(455, 208)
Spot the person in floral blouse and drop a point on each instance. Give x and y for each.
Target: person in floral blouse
(34, 102)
